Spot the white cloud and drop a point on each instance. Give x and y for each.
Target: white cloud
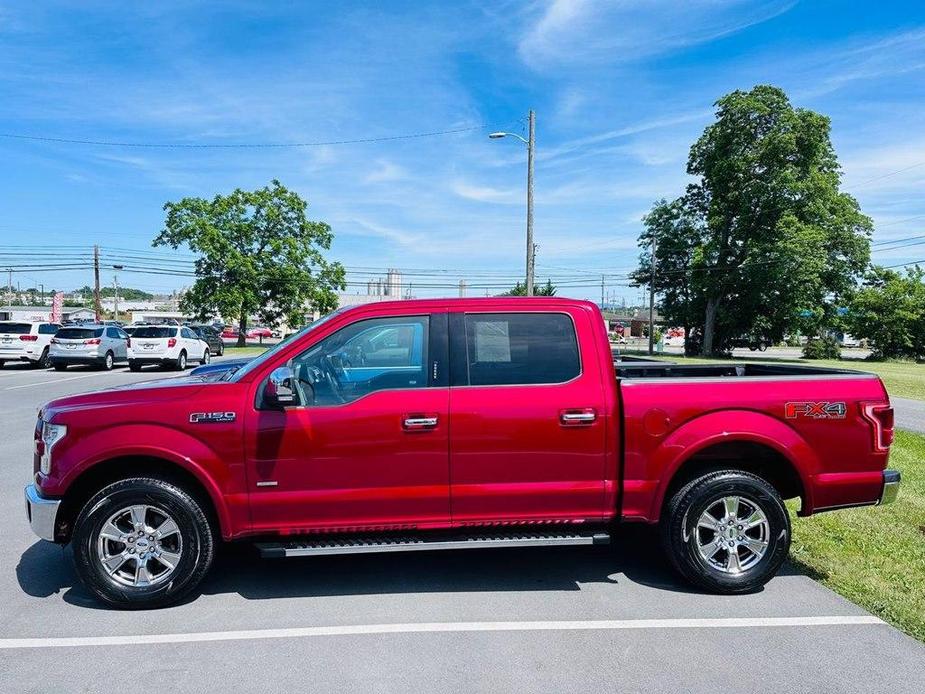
(482, 193)
(386, 171)
(575, 32)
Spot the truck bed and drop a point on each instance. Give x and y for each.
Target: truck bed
(653, 369)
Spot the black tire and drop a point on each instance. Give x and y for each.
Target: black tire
(134, 366)
(221, 350)
(206, 357)
(195, 533)
(108, 361)
(42, 361)
(181, 361)
(681, 535)
(60, 367)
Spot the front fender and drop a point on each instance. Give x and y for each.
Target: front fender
(723, 427)
(221, 480)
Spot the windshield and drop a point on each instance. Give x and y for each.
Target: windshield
(237, 374)
(154, 331)
(15, 328)
(78, 333)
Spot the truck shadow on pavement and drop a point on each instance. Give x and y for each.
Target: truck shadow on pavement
(634, 558)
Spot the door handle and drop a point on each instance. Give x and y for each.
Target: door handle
(419, 422)
(582, 417)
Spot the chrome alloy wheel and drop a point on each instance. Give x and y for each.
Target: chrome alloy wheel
(732, 534)
(139, 546)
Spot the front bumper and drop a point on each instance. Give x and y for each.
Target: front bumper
(891, 480)
(41, 512)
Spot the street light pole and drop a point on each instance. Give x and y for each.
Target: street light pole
(115, 283)
(531, 146)
(652, 298)
(530, 141)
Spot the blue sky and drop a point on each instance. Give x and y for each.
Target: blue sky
(621, 90)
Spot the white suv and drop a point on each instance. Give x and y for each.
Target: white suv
(98, 345)
(26, 341)
(167, 345)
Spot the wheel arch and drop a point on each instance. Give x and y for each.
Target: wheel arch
(121, 467)
(742, 440)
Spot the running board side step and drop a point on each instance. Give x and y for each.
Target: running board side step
(412, 543)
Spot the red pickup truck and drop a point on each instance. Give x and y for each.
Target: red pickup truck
(448, 424)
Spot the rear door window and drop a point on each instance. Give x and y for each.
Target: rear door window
(78, 333)
(520, 349)
(48, 329)
(154, 331)
(16, 328)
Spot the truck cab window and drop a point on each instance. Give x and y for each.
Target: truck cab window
(364, 357)
(521, 348)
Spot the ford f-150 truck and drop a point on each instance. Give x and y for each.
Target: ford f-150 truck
(450, 424)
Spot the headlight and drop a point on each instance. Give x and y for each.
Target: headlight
(51, 434)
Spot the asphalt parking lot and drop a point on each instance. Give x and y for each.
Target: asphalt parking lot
(567, 619)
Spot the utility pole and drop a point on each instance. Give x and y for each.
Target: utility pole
(652, 298)
(9, 288)
(530, 141)
(602, 292)
(115, 283)
(43, 293)
(96, 283)
(531, 146)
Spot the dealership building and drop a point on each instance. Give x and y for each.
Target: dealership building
(29, 314)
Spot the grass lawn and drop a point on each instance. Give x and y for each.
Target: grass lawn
(875, 556)
(249, 351)
(902, 379)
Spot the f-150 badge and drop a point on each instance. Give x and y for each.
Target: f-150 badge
(211, 417)
(815, 410)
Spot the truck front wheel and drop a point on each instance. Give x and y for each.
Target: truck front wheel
(727, 531)
(142, 543)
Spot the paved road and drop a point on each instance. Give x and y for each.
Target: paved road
(910, 414)
(569, 619)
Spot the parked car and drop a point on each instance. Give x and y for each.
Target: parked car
(850, 341)
(259, 332)
(167, 345)
(26, 341)
(211, 337)
(459, 423)
(229, 333)
(97, 345)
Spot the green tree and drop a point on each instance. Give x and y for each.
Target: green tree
(259, 255)
(124, 293)
(520, 289)
(679, 235)
(764, 240)
(889, 311)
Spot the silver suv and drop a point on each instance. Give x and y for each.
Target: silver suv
(98, 345)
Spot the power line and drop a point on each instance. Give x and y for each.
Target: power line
(238, 145)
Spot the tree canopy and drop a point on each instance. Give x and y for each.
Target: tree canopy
(520, 289)
(763, 241)
(889, 311)
(259, 255)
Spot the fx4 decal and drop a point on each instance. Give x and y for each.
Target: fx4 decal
(815, 410)
(211, 417)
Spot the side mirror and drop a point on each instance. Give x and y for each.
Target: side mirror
(278, 390)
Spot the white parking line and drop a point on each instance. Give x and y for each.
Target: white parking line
(56, 380)
(436, 627)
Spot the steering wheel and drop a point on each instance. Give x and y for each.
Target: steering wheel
(332, 374)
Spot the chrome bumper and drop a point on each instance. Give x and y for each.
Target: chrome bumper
(891, 479)
(41, 513)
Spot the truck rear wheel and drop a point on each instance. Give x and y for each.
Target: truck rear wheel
(727, 531)
(142, 543)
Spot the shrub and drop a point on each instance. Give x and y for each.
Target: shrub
(822, 348)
